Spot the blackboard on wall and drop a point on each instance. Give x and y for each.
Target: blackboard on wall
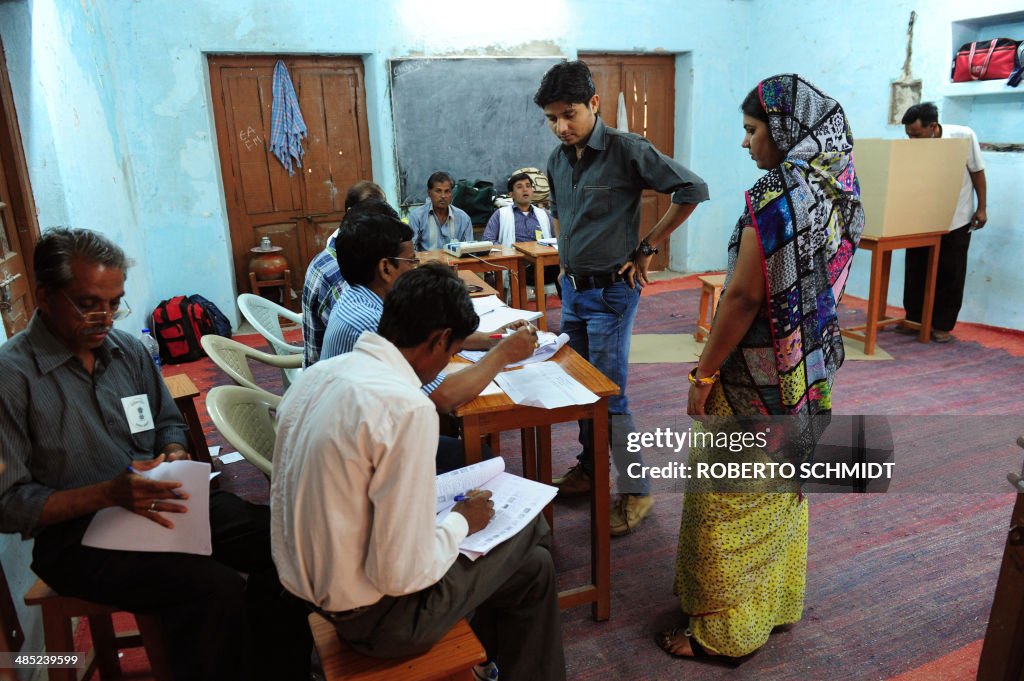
(473, 117)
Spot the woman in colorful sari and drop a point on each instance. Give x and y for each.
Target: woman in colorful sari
(773, 351)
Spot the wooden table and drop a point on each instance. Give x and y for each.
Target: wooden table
(500, 258)
(473, 279)
(495, 413)
(881, 259)
(540, 256)
(184, 392)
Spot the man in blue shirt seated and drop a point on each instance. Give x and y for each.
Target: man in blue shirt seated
(323, 285)
(373, 251)
(438, 222)
(522, 221)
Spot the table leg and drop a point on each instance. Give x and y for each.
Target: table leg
(544, 468)
(538, 290)
(874, 291)
(499, 285)
(883, 299)
(929, 293)
(200, 450)
(519, 285)
(471, 439)
(600, 518)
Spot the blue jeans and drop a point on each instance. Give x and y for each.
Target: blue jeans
(599, 322)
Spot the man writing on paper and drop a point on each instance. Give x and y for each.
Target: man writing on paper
(353, 500)
(324, 284)
(438, 222)
(69, 442)
(921, 121)
(522, 221)
(597, 176)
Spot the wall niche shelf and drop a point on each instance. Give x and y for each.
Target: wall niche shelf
(1008, 25)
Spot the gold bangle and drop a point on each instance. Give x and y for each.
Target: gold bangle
(707, 380)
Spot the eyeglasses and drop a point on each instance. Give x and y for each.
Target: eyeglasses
(120, 311)
(413, 262)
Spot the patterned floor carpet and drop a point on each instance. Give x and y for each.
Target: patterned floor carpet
(899, 584)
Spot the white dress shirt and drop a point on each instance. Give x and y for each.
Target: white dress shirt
(965, 202)
(352, 496)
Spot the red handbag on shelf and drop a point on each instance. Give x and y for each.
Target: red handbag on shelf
(984, 60)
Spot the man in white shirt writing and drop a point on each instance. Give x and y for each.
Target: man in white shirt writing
(353, 524)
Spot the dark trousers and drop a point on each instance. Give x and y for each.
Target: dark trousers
(949, 282)
(217, 624)
(513, 596)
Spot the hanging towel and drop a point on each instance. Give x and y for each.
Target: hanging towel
(286, 125)
(621, 116)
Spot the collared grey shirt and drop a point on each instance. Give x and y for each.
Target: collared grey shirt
(597, 198)
(61, 428)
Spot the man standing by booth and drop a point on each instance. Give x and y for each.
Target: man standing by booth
(597, 176)
(921, 121)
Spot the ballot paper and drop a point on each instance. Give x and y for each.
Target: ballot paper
(494, 314)
(553, 241)
(544, 385)
(122, 530)
(547, 345)
(517, 501)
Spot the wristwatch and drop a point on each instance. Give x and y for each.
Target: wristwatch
(646, 249)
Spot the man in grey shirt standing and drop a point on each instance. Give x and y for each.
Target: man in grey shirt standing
(597, 176)
(73, 447)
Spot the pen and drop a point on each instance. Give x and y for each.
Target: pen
(132, 469)
(460, 497)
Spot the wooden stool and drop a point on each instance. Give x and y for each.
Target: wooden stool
(58, 612)
(284, 283)
(711, 289)
(451, 658)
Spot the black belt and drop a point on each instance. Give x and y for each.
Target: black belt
(340, 616)
(585, 282)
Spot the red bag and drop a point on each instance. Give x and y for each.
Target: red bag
(178, 324)
(984, 60)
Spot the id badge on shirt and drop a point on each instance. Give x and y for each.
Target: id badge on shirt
(136, 410)
(538, 235)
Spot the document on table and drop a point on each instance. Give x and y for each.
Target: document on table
(547, 345)
(122, 530)
(544, 385)
(491, 388)
(517, 501)
(494, 314)
(553, 241)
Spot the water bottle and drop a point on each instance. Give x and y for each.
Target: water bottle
(152, 347)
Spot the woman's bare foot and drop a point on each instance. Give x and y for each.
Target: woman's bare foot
(679, 642)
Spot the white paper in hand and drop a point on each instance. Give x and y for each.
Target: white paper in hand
(122, 530)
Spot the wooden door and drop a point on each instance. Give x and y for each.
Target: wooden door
(648, 83)
(298, 212)
(19, 230)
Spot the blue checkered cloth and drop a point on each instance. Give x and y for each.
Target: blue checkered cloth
(286, 125)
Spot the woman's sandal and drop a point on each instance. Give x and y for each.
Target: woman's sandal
(699, 652)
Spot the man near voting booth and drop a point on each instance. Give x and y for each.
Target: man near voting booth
(353, 503)
(438, 222)
(522, 221)
(597, 175)
(921, 121)
(71, 450)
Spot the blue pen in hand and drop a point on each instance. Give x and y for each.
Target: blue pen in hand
(461, 497)
(132, 469)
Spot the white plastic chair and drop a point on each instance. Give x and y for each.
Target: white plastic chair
(233, 359)
(245, 418)
(263, 315)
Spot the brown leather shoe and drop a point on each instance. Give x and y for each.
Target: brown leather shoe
(575, 481)
(628, 510)
(941, 336)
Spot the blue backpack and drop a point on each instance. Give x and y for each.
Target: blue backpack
(220, 323)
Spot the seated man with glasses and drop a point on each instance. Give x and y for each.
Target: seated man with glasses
(373, 251)
(71, 450)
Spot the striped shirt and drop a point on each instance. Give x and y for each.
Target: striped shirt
(61, 428)
(323, 286)
(358, 311)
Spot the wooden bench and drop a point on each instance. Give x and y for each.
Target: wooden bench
(711, 290)
(451, 658)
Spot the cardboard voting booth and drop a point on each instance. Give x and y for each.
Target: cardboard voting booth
(909, 186)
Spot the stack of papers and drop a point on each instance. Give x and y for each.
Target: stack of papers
(544, 385)
(547, 345)
(553, 241)
(494, 314)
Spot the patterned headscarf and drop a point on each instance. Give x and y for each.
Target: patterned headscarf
(808, 217)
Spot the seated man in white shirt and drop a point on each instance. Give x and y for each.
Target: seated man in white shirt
(353, 525)
(522, 221)
(438, 222)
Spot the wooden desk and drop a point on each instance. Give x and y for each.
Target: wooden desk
(539, 256)
(184, 392)
(495, 413)
(881, 258)
(474, 279)
(497, 260)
